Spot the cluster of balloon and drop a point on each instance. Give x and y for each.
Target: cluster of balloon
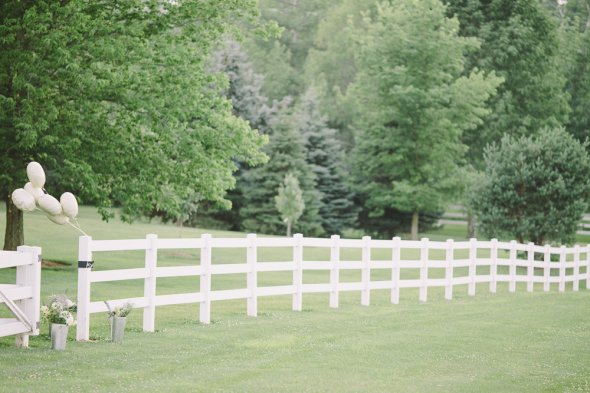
(33, 194)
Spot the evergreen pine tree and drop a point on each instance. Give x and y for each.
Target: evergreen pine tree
(337, 210)
(244, 90)
(286, 155)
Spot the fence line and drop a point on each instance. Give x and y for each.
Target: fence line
(251, 243)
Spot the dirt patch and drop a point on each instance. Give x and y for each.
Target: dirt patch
(53, 264)
(179, 254)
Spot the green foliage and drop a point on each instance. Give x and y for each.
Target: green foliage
(519, 42)
(244, 89)
(576, 66)
(289, 201)
(415, 104)
(331, 67)
(282, 60)
(245, 92)
(337, 211)
(274, 62)
(535, 188)
(286, 155)
(112, 97)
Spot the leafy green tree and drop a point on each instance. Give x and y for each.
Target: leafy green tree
(415, 106)
(519, 41)
(281, 60)
(331, 67)
(286, 155)
(575, 64)
(337, 211)
(535, 188)
(111, 96)
(289, 201)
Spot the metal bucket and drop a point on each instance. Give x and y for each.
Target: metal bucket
(117, 328)
(59, 336)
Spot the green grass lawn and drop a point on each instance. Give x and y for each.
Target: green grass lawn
(489, 342)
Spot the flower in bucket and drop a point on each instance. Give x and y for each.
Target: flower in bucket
(122, 311)
(60, 310)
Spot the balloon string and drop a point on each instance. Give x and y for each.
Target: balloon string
(77, 228)
(77, 223)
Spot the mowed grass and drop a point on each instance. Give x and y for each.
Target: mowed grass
(488, 342)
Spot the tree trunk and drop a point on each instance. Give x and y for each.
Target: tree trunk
(415, 225)
(289, 228)
(15, 229)
(471, 230)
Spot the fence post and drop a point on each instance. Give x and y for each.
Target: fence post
(205, 285)
(562, 269)
(512, 272)
(494, 266)
(424, 269)
(84, 271)
(366, 272)
(547, 270)
(576, 267)
(449, 269)
(149, 286)
(298, 272)
(395, 271)
(252, 276)
(472, 258)
(588, 266)
(530, 268)
(29, 276)
(335, 272)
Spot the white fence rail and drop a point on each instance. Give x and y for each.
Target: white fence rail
(206, 243)
(23, 298)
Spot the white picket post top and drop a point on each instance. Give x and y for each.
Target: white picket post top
(366, 271)
(252, 276)
(335, 270)
(298, 272)
(84, 272)
(206, 243)
(472, 270)
(395, 270)
(449, 270)
(494, 266)
(530, 267)
(149, 288)
(576, 285)
(424, 270)
(547, 271)
(205, 308)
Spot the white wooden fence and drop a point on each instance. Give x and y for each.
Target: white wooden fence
(206, 243)
(23, 298)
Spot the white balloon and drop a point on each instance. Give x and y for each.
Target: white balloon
(36, 174)
(58, 218)
(23, 200)
(50, 205)
(34, 191)
(69, 204)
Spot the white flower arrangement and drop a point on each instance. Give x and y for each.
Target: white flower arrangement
(60, 310)
(122, 311)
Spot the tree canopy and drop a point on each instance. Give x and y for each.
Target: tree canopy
(535, 188)
(112, 98)
(416, 104)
